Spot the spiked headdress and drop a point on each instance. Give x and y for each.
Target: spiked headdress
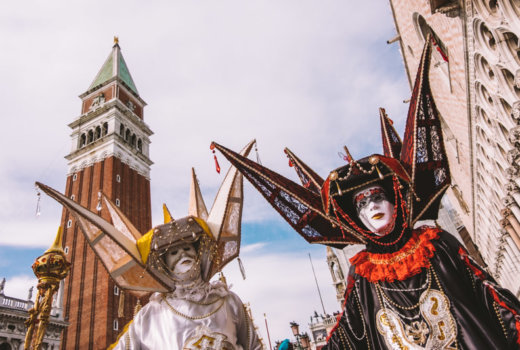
(416, 166)
(133, 259)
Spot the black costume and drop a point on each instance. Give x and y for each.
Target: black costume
(410, 288)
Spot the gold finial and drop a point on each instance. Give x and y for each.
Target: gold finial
(57, 245)
(116, 40)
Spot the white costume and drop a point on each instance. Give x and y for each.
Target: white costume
(176, 261)
(216, 321)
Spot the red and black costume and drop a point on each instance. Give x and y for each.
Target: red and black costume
(412, 288)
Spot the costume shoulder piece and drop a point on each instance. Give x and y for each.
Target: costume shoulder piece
(321, 210)
(132, 258)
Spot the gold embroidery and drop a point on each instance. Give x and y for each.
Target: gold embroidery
(435, 306)
(395, 258)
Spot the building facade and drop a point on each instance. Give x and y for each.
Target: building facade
(13, 314)
(475, 81)
(110, 154)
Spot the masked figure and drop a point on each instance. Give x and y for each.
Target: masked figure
(411, 288)
(176, 261)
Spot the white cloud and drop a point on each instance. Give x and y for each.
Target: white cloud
(282, 286)
(296, 73)
(252, 247)
(18, 287)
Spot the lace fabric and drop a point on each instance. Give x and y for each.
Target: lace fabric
(402, 264)
(200, 291)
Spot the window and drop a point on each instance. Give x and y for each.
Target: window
(73, 197)
(74, 177)
(105, 129)
(140, 145)
(118, 203)
(69, 223)
(118, 178)
(121, 130)
(98, 133)
(82, 140)
(127, 135)
(116, 290)
(66, 250)
(90, 136)
(116, 325)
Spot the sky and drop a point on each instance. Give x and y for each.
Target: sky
(302, 74)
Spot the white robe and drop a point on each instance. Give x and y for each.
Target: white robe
(156, 326)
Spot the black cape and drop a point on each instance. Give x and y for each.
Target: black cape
(476, 315)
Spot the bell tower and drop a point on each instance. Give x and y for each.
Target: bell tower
(110, 154)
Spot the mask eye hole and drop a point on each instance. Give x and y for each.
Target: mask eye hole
(173, 252)
(186, 249)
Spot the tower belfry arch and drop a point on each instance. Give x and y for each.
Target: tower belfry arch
(109, 154)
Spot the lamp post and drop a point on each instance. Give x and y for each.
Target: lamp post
(302, 340)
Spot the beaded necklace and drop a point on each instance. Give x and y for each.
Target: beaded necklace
(192, 317)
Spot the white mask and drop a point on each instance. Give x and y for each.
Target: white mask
(181, 259)
(374, 210)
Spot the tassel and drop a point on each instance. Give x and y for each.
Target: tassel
(99, 206)
(137, 307)
(217, 166)
(242, 270)
(121, 309)
(257, 155)
(38, 195)
(291, 164)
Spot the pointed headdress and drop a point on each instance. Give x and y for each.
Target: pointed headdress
(416, 166)
(133, 259)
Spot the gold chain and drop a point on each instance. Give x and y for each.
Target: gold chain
(497, 311)
(204, 303)
(192, 317)
(452, 322)
(408, 308)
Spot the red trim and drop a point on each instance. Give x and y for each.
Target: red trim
(402, 264)
(464, 256)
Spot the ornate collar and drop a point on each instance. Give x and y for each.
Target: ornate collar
(200, 291)
(402, 264)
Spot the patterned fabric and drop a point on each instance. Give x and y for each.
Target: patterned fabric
(307, 176)
(451, 304)
(423, 154)
(299, 206)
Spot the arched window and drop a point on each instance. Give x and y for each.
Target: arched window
(127, 135)
(5, 346)
(82, 140)
(105, 129)
(90, 136)
(121, 129)
(140, 145)
(98, 133)
(134, 140)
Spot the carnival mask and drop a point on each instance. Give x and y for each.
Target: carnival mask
(375, 210)
(182, 262)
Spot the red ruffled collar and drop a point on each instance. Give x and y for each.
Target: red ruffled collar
(402, 264)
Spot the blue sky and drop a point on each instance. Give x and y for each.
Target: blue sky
(298, 73)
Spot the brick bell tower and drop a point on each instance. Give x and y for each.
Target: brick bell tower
(110, 153)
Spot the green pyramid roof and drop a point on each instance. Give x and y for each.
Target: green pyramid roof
(114, 65)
